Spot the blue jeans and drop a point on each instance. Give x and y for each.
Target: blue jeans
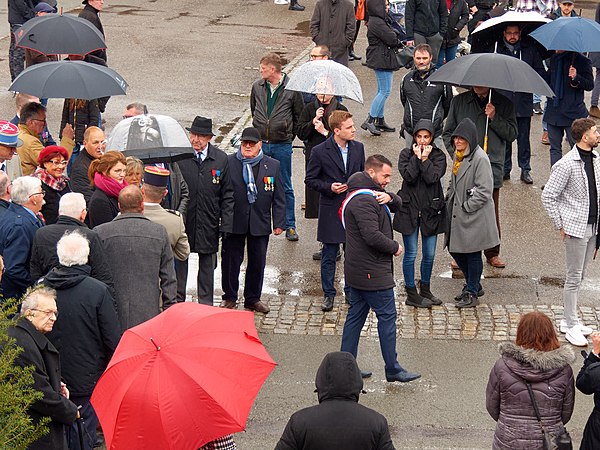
(382, 302)
(448, 54)
(283, 154)
(471, 265)
(384, 88)
(523, 146)
(555, 136)
(328, 255)
(411, 245)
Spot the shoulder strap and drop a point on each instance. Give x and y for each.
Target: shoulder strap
(535, 405)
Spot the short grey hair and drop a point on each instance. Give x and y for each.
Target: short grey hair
(73, 249)
(23, 188)
(32, 297)
(4, 182)
(140, 108)
(71, 205)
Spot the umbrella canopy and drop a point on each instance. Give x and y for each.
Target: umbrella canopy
(181, 379)
(58, 34)
(494, 71)
(492, 29)
(575, 34)
(69, 79)
(151, 138)
(325, 77)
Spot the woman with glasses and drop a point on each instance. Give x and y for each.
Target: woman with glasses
(52, 163)
(107, 178)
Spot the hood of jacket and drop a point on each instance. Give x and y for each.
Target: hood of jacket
(63, 277)
(425, 124)
(338, 377)
(362, 180)
(467, 130)
(376, 8)
(534, 365)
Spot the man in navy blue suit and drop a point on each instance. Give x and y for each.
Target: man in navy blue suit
(331, 164)
(259, 209)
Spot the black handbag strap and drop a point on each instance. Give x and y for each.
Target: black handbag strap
(535, 405)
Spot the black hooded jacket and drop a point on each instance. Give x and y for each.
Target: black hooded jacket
(370, 244)
(87, 330)
(382, 38)
(338, 421)
(421, 192)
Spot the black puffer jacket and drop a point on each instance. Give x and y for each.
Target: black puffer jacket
(382, 38)
(424, 100)
(458, 16)
(338, 422)
(426, 17)
(508, 401)
(20, 11)
(368, 263)
(421, 191)
(588, 382)
(88, 331)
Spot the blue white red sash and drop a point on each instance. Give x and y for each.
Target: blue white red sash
(353, 194)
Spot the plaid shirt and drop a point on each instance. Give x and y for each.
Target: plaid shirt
(566, 195)
(544, 7)
(223, 443)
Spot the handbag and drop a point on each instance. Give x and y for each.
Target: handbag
(405, 56)
(559, 441)
(360, 10)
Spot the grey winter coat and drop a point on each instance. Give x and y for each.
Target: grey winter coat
(508, 401)
(469, 200)
(333, 23)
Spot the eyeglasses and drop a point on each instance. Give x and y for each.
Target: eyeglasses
(59, 163)
(48, 313)
(38, 193)
(311, 56)
(40, 120)
(249, 143)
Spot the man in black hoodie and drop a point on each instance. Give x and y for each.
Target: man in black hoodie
(338, 421)
(88, 332)
(368, 266)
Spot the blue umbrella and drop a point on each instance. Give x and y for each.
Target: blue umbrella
(574, 34)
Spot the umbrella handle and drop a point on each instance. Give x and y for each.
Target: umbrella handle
(485, 143)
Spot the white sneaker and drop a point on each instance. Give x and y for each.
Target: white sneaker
(585, 330)
(281, 2)
(576, 337)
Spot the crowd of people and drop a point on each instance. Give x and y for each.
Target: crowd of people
(69, 212)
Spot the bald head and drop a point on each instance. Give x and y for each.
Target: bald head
(131, 200)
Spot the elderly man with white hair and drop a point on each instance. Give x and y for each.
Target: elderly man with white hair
(17, 228)
(38, 316)
(90, 331)
(71, 216)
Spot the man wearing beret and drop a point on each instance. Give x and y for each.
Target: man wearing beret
(210, 208)
(154, 190)
(259, 210)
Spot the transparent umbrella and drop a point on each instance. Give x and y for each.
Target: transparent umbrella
(326, 77)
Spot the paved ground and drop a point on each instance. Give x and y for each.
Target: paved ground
(189, 57)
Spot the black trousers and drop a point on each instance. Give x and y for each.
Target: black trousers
(207, 263)
(232, 256)
(16, 55)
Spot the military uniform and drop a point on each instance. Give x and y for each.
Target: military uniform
(173, 222)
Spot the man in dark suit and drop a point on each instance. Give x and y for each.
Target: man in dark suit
(259, 199)
(210, 208)
(331, 164)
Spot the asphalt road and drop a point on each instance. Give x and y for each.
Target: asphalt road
(199, 57)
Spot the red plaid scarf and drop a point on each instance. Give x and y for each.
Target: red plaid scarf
(58, 184)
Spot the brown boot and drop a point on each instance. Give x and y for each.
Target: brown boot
(545, 139)
(595, 112)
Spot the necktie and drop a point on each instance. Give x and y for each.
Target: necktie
(3, 167)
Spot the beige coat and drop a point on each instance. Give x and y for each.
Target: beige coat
(32, 146)
(173, 222)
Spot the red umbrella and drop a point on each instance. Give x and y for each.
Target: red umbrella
(182, 379)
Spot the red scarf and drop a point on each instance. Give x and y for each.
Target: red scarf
(58, 184)
(108, 185)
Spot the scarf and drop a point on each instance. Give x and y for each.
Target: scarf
(458, 159)
(247, 165)
(58, 184)
(559, 79)
(108, 185)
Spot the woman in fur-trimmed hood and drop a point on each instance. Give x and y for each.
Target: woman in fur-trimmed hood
(537, 358)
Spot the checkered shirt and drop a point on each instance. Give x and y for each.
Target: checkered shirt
(566, 194)
(223, 443)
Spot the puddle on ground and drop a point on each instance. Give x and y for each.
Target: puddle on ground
(225, 129)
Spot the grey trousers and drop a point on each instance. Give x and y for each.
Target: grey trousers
(435, 42)
(578, 252)
(207, 263)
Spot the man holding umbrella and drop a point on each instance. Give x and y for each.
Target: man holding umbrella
(494, 117)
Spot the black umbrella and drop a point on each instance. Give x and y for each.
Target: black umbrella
(492, 70)
(492, 30)
(69, 79)
(58, 34)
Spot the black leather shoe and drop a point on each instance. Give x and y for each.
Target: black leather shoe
(327, 304)
(402, 376)
(365, 374)
(258, 307)
(353, 56)
(469, 300)
(382, 126)
(506, 176)
(295, 6)
(481, 293)
(526, 177)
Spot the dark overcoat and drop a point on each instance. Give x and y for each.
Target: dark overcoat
(588, 382)
(210, 208)
(39, 352)
(52, 199)
(268, 211)
(102, 208)
(333, 23)
(325, 167)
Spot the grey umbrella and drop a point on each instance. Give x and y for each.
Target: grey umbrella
(69, 79)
